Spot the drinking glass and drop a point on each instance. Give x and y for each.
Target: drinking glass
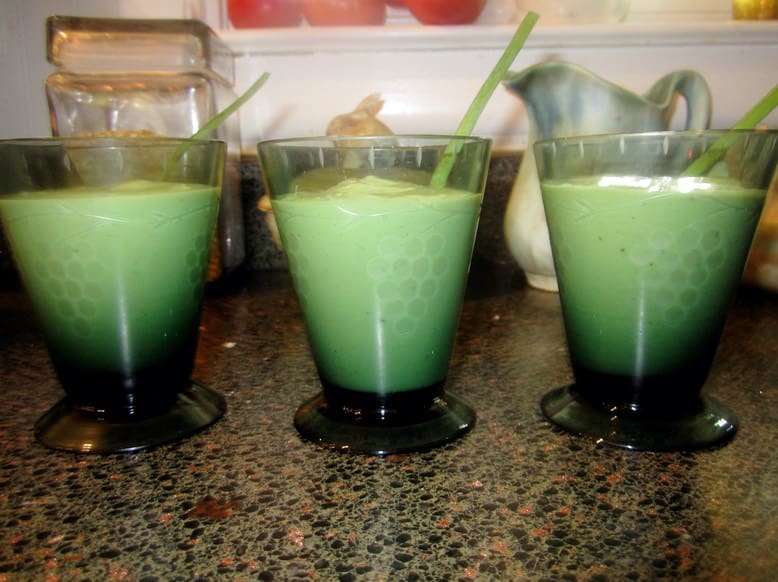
(111, 239)
(650, 234)
(379, 259)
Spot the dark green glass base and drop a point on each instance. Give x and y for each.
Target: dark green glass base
(445, 420)
(710, 424)
(66, 429)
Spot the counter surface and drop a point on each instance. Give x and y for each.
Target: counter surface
(513, 500)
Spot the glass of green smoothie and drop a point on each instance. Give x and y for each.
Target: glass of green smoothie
(650, 234)
(111, 239)
(379, 260)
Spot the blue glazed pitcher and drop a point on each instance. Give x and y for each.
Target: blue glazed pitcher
(563, 99)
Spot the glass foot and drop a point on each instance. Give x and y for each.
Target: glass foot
(66, 429)
(447, 419)
(711, 424)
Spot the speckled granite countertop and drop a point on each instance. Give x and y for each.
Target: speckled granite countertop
(513, 500)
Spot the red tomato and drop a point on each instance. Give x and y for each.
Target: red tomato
(396, 3)
(344, 12)
(445, 11)
(264, 13)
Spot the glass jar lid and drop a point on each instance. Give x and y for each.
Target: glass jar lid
(117, 44)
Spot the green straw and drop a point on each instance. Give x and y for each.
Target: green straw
(468, 122)
(218, 119)
(761, 110)
(231, 108)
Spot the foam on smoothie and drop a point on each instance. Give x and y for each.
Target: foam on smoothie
(378, 266)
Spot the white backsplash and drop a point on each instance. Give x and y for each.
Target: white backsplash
(428, 75)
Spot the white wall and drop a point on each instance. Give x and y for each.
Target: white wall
(428, 77)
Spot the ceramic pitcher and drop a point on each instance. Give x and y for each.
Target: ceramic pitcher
(564, 99)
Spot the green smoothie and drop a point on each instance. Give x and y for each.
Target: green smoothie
(116, 274)
(647, 266)
(380, 267)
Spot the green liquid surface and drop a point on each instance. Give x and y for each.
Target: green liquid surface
(116, 275)
(647, 267)
(380, 268)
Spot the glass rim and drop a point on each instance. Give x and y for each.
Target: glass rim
(359, 140)
(676, 135)
(109, 141)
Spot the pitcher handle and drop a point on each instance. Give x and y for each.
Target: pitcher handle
(694, 90)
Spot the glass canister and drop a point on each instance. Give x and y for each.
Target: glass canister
(149, 77)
